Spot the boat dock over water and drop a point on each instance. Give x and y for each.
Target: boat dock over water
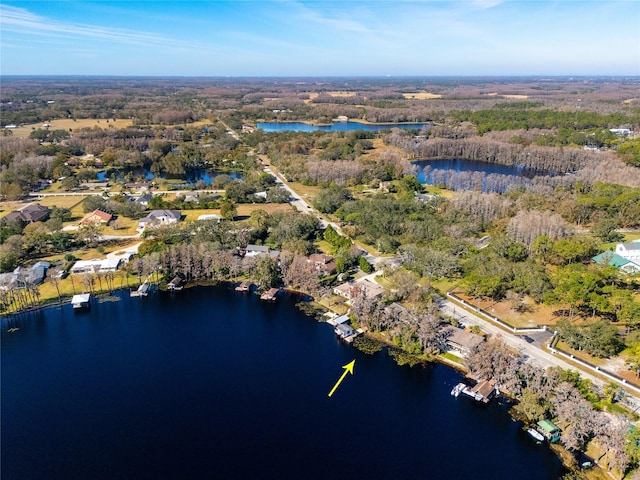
(81, 301)
(482, 392)
(244, 286)
(342, 328)
(142, 291)
(270, 294)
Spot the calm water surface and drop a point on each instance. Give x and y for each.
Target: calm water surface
(192, 177)
(462, 165)
(209, 383)
(335, 127)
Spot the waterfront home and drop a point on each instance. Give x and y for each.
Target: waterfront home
(550, 430)
(81, 301)
(29, 214)
(460, 341)
(324, 264)
(96, 265)
(363, 287)
(23, 277)
(96, 217)
(159, 217)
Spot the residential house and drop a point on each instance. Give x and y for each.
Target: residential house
(29, 214)
(630, 251)
(323, 263)
(424, 197)
(96, 217)
(159, 217)
(459, 340)
(614, 260)
(368, 289)
(96, 266)
(22, 277)
(256, 250)
(144, 199)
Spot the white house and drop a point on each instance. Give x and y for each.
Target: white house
(210, 216)
(97, 265)
(256, 250)
(630, 251)
(159, 217)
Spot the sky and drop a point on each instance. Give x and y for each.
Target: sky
(320, 38)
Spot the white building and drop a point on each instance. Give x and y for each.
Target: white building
(96, 266)
(630, 251)
(159, 217)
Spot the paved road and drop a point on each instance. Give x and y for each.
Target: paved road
(532, 350)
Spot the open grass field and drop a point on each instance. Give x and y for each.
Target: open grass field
(536, 314)
(9, 206)
(421, 96)
(69, 123)
(69, 201)
(245, 209)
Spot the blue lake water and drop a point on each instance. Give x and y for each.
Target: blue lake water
(192, 177)
(210, 383)
(459, 165)
(336, 126)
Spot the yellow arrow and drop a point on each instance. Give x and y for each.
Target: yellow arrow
(348, 368)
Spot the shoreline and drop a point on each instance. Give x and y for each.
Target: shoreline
(375, 342)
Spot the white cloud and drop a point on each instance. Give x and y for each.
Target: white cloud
(20, 20)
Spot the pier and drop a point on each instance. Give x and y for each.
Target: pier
(343, 329)
(270, 294)
(482, 392)
(244, 286)
(142, 291)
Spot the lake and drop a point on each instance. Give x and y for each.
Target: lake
(463, 174)
(211, 383)
(191, 178)
(336, 126)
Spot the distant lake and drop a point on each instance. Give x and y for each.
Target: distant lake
(190, 178)
(336, 126)
(457, 172)
(211, 383)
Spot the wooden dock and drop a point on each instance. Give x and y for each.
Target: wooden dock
(270, 295)
(244, 286)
